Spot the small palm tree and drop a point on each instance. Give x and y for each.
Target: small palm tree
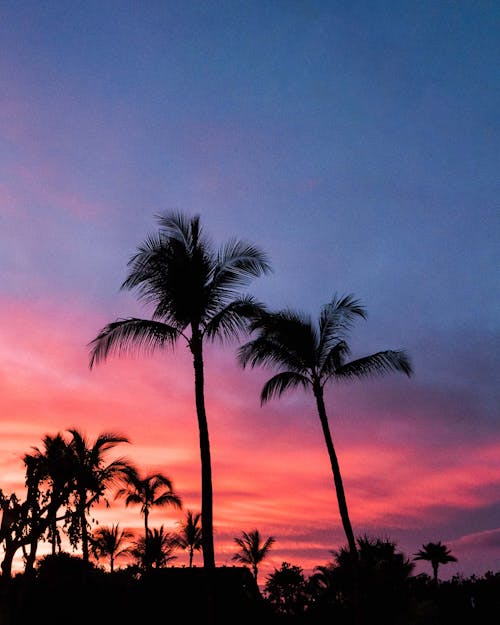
(252, 550)
(155, 550)
(152, 491)
(195, 293)
(436, 554)
(189, 536)
(92, 476)
(108, 542)
(310, 355)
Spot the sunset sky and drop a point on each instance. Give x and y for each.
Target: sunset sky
(357, 144)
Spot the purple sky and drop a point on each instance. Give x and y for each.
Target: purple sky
(357, 144)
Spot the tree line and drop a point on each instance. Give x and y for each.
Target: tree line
(193, 291)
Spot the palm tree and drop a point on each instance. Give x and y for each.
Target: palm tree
(155, 550)
(381, 573)
(252, 551)
(92, 477)
(108, 542)
(194, 291)
(436, 554)
(189, 537)
(52, 466)
(154, 490)
(311, 355)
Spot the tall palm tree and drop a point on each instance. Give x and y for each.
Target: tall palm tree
(92, 477)
(436, 554)
(151, 491)
(194, 290)
(110, 542)
(252, 550)
(189, 536)
(310, 355)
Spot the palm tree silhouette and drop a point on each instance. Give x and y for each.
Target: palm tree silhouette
(311, 355)
(194, 291)
(436, 554)
(189, 536)
(156, 550)
(108, 542)
(153, 491)
(92, 477)
(52, 465)
(252, 550)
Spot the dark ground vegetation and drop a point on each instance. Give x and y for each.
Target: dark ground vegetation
(64, 589)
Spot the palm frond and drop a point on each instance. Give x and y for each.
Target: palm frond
(336, 319)
(146, 263)
(281, 382)
(237, 263)
(284, 339)
(334, 359)
(176, 226)
(126, 336)
(233, 319)
(376, 364)
(268, 353)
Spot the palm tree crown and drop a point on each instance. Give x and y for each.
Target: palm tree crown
(194, 292)
(436, 554)
(154, 490)
(92, 476)
(310, 355)
(110, 542)
(156, 550)
(252, 550)
(189, 536)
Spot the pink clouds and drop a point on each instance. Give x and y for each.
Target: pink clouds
(270, 465)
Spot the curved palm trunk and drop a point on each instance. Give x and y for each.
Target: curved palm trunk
(342, 502)
(191, 553)
(337, 478)
(207, 538)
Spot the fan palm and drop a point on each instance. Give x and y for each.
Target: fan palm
(310, 355)
(189, 537)
(193, 289)
(252, 550)
(108, 542)
(436, 554)
(92, 476)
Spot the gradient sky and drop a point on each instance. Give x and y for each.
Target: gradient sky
(357, 144)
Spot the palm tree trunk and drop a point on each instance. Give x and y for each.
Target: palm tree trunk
(191, 552)
(207, 532)
(207, 538)
(359, 618)
(84, 531)
(147, 563)
(435, 571)
(337, 478)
